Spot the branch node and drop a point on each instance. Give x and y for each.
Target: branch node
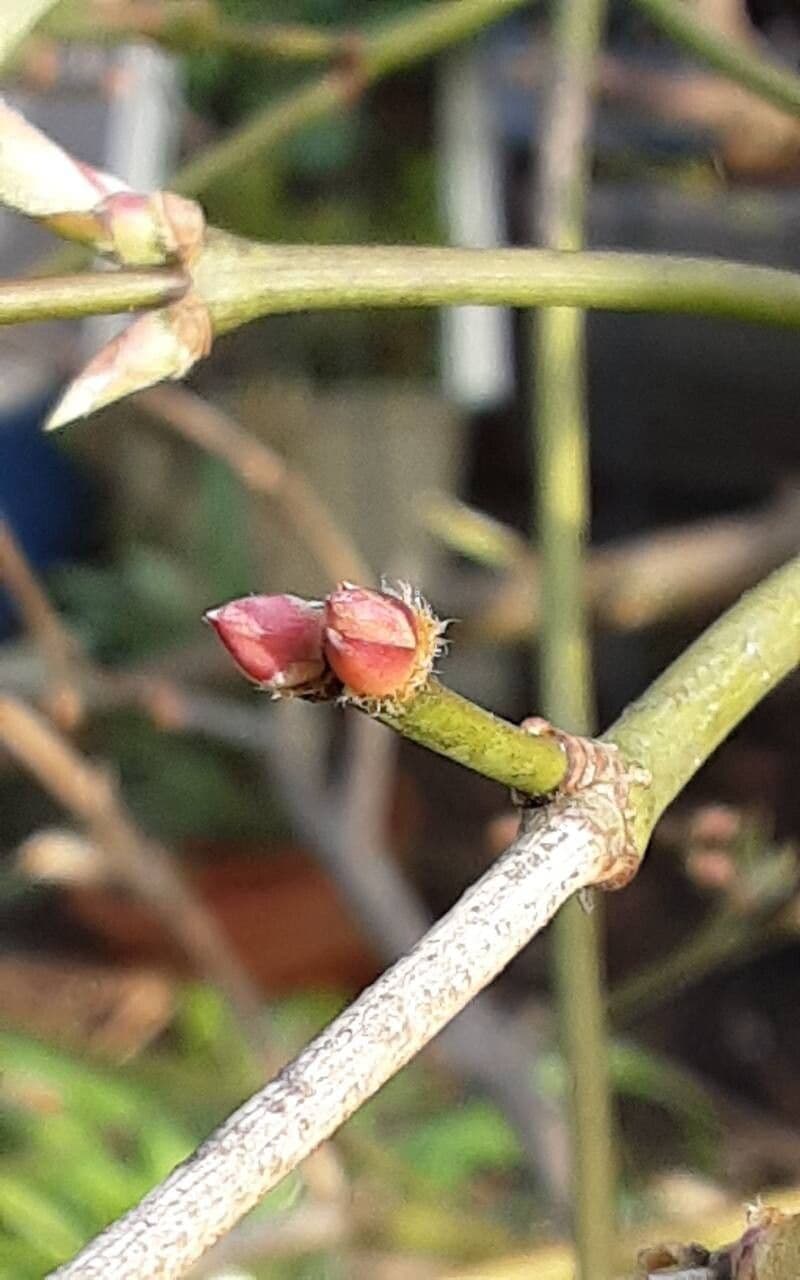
(603, 778)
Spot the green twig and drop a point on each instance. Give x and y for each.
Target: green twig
(452, 726)
(670, 731)
(101, 293)
(192, 26)
(472, 533)
(676, 19)
(560, 449)
(241, 280)
(684, 716)
(400, 44)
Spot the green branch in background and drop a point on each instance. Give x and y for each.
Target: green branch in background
(472, 533)
(196, 26)
(410, 39)
(89, 294)
(737, 62)
(561, 487)
(240, 280)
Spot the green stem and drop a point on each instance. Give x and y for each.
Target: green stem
(684, 716)
(400, 44)
(562, 515)
(676, 19)
(192, 26)
(452, 726)
(241, 280)
(103, 293)
(560, 448)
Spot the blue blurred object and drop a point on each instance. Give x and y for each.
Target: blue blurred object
(44, 496)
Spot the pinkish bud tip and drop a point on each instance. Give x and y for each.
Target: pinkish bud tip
(372, 641)
(275, 640)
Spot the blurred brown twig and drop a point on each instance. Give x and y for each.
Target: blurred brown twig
(88, 793)
(631, 584)
(263, 472)
(61, 653)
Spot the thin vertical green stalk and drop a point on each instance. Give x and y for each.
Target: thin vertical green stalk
(566, 697)
(562, 518)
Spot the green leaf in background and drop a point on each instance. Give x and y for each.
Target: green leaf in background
(221, 541)
(145, 601)
(450, 1148)
(113, 1137)
(177, 787)
(641, 1075)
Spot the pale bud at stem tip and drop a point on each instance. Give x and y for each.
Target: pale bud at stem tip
(160, 345)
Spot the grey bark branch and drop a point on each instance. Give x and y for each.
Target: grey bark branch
(561, 848)
(483, 1044)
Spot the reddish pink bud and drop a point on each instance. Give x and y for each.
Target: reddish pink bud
(275, 640)
(375, 641)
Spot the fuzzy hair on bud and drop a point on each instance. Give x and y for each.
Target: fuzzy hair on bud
(380, 644)
(276, 641)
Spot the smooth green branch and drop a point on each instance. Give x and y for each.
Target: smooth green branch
(452, 726)
(684, 716)
(560, 484)
(90, 294)
(412, 38)
(241, 280)
(235, 280)
(737, 62)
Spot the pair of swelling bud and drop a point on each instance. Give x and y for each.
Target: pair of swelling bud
(376, 648)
